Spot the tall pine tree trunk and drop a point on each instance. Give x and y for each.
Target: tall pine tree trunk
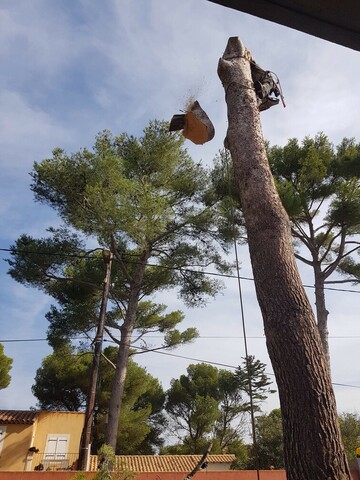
(321, 311)
(126, 329)
(313, 448)
(118, 384)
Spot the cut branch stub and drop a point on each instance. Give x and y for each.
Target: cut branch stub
(195, 123)
(265, 83)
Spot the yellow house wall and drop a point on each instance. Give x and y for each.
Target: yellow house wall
(19, 438)
(69, 423)
(16, 444)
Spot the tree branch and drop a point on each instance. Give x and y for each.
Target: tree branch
(303, 259)
(330, 244)
(332, 267)
(350, 251)
(120, 259)
(113, 338)
(108, 360)
(301, 235)
(328, 282)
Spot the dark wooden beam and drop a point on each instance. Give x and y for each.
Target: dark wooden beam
(332, 20)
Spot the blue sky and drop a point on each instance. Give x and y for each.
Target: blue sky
(73, 68)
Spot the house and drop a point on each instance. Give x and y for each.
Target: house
(39, 440)
(166, 463)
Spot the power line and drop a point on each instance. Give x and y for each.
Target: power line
(91, 257)
(87, 256)
(209, 362)
(345, 385)
(193, 359)
(14, 340)
(205, 337)
(201, 336)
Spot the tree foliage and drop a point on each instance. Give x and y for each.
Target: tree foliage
(350, 432)
(146, 200)
(320, 190)
(270, 438)
(209, 403)
(270, 444)
(5, 367)
(61, 383)
(251, 375)
(192, 404)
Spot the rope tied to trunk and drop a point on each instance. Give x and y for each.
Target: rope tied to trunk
(241, 85)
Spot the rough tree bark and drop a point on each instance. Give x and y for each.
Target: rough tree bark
(313, 448)
(118, 385)
(322, 313)
(124, 351)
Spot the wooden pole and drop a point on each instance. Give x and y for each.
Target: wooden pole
(90, 404)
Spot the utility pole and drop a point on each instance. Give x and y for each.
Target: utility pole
(90, 404)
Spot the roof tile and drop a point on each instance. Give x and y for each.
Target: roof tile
(161, 463)
(17, 417)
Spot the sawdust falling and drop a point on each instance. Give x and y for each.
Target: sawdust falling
(193, 93)
(189, 103)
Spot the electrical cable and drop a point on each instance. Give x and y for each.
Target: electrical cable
(209, 362)
(205, 337)
(214, 274)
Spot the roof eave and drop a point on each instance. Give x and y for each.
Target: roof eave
(341, 31)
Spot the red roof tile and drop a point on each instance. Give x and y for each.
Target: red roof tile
(17, 417)
(161, 463)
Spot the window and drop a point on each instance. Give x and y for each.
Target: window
(55, 455)
(56, 447)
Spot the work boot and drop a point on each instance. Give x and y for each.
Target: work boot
(267, 103)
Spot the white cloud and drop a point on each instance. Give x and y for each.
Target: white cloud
(22, 318)
(27, 133)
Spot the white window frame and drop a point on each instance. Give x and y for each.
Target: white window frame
(57, 436)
